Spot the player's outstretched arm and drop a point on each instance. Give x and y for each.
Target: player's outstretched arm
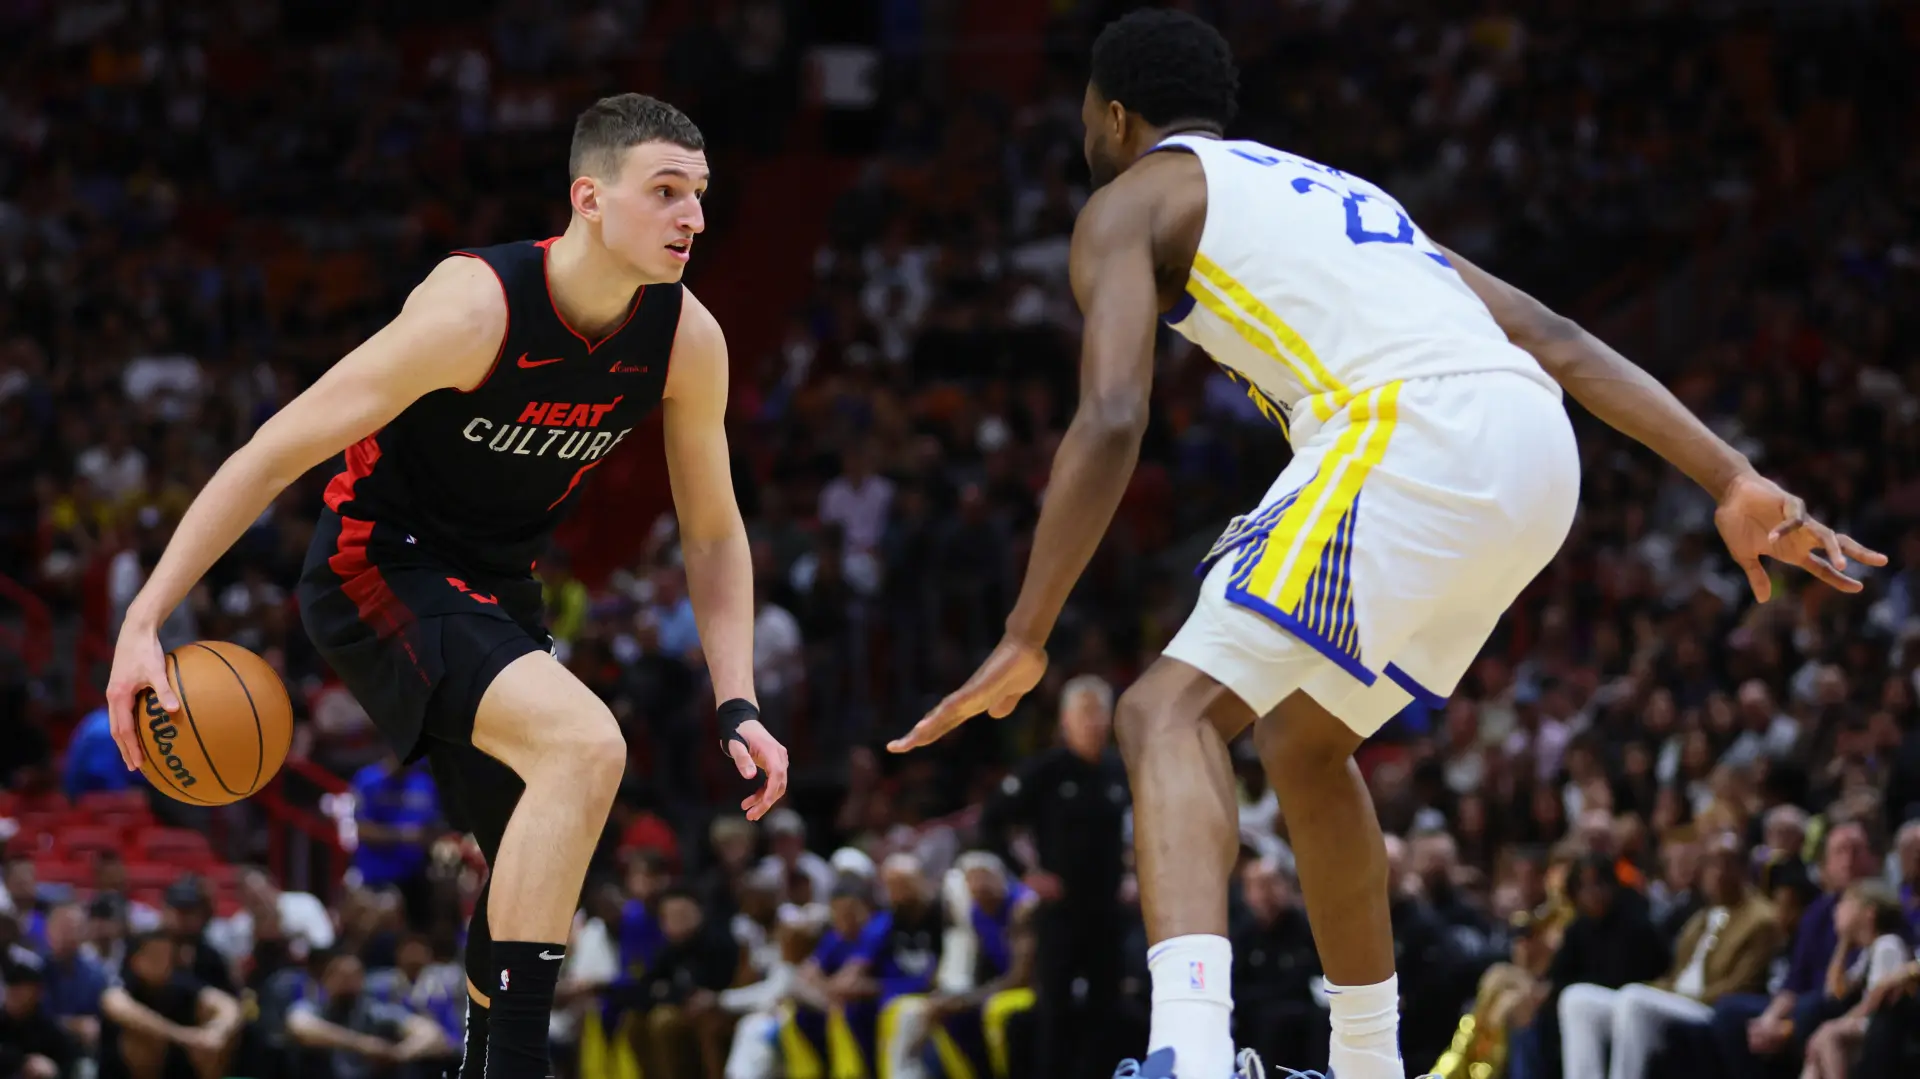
(1756, 517)
(448, 334)
(1111, 265)
(713, 539)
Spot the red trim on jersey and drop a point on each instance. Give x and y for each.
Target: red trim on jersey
(546, 246)
(361, 457)
(574, 482)
(505, 336)
(362, 582)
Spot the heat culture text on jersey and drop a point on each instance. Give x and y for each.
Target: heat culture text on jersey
(482, 477)
(564, 427)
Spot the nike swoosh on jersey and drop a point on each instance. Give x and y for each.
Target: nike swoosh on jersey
(524, 362)
(550, 955)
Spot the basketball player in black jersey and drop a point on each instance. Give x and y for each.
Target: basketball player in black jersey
(468, 424)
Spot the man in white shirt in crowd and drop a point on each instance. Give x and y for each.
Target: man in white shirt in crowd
(298, 918)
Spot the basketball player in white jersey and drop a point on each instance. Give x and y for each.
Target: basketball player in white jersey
(1434, 475)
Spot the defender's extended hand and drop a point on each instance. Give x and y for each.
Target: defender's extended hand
(763, 749)
(1008, 674)
(1757, 517)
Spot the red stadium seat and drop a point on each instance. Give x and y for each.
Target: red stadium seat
(58, 871)
(222, 876)
(152, 876)
(96, 803)
(180, 846)
(84, 840)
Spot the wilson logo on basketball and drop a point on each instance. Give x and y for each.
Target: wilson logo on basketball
(164, 732)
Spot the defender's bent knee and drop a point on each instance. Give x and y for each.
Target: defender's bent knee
(1170, 700)
(1301, 739)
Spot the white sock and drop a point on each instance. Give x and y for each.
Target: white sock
(1366, 1030)
(1193, 1005)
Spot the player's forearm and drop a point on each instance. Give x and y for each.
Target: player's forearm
(231, 501)
(1631, 401)
(720, 584)
(1090, 475)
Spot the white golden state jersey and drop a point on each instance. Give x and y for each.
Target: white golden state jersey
(1312, 285)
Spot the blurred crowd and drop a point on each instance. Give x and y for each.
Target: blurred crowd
(1660, 829)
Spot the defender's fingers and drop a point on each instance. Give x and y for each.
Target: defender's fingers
(931, 729)
(1824, 570)
(1859, 553)
(1757, 578)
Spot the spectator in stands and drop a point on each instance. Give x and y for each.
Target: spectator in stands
(1611, 943)
(682, 1030)
(1872, 930)
(774, 967)
(1427, 960)
(74, 981)
(272, 927)
(93, 761)
(640, 935)
(396, 811)
(1675, 897)
(1783, 835)
(836, 986)
(1725, 948)
(188, 916)
(21, 897)
(110, 882)
(1073, 800)
(33, 1045)
(344, 1033)
(1753, 1030)
(733, 840)
(161, 1022)
(1274, 967)
(857, 500)
(806, 877)
(433, 989)
(1907, 849)
(986, 970)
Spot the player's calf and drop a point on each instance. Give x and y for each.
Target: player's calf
(1173, 726)
(1341, 857)
(564, 745)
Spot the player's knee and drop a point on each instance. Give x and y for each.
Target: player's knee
(1301, 748)
(586, 754)
(1135, 716)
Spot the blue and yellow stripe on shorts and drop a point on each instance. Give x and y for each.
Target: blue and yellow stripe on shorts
(1295, 561)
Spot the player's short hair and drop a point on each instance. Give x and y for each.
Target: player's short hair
(612, 124)
(1167, 66)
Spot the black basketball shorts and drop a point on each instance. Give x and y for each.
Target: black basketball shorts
(417, 641)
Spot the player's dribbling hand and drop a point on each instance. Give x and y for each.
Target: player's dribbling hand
(1757, 517)
(763, 749)
(1008, 674)
(138, 663)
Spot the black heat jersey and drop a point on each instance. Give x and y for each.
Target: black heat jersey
(482, 477)
(418, 587)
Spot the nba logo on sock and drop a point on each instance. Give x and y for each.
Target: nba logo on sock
(1196, 976)
(503, 980)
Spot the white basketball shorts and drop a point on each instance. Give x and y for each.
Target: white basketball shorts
(1386, 551)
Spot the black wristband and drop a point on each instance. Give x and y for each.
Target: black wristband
(733, 713)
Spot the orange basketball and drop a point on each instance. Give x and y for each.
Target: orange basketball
(231, 733)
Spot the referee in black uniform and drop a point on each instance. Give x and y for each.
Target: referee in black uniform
(1072, 801)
